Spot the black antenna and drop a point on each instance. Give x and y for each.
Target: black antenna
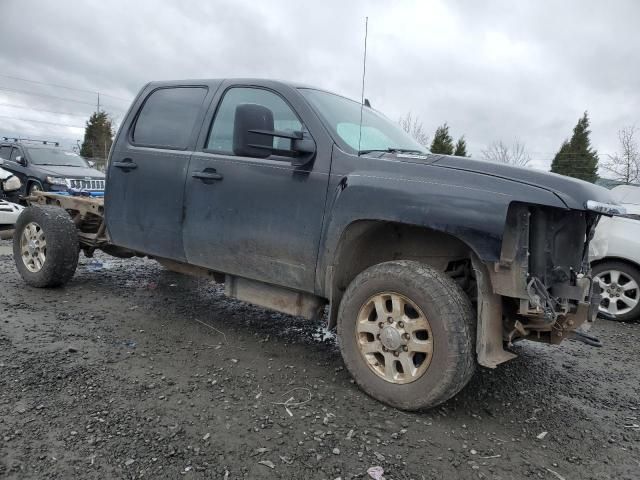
(364, 72)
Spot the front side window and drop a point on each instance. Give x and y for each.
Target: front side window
(343, 118)
(168, 117)
(221, 134)
(52, 156)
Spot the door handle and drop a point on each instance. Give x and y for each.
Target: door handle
(209, 174)
(126, 164)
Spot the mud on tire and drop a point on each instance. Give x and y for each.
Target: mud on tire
(451, 327)
(45, 246)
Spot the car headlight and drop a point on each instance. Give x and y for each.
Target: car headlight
(609, 209)
(11, 184)
(57, 181)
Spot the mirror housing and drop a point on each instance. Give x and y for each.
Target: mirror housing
(21, 160)
(91, 163)
(254, 132)
(249, 118)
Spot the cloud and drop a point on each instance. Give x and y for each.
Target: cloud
(492, 70)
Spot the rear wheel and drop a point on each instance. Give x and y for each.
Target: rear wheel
(620, 283)
(45, 246)
(406, 334)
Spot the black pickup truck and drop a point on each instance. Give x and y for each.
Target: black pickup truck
(298, 199)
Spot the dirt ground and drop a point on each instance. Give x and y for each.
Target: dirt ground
(132, 371)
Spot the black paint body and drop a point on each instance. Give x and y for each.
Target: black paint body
(267, 220)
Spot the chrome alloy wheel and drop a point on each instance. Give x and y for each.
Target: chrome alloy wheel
(394, 337)
(33, 247)
(620, 292)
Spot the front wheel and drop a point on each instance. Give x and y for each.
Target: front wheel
(45, 246)
(34, 188)
(406, 333)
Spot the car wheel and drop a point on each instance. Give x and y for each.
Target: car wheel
(45, 246)
(620, 289)
(34, 187)
(406, 333)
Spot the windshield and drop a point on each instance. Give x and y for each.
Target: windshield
(54, 156)
(343, 117)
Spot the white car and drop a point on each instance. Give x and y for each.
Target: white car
(615, 257)
(8, 211)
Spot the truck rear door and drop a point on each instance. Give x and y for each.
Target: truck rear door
(259, 218)
(148, 166)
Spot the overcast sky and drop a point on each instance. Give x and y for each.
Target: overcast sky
(492, 69)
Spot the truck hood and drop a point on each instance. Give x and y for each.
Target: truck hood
(68, 172)
(573, 192)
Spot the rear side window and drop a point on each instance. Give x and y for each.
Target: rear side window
(168, 116)
(5, 152)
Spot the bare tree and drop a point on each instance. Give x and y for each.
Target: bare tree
(514, 154)
(413, 126)
(625, 166)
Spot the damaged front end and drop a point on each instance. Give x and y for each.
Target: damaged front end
(542, 281)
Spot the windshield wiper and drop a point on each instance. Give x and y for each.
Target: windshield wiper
(390, 150)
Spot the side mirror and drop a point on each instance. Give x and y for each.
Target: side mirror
(249, 118)
(21, 160)
(91, 163)
(253, 134)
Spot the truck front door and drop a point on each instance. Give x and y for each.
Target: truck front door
(259, 218)
(147, 169)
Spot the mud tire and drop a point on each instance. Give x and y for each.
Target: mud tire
(452, 321)
(62, 249)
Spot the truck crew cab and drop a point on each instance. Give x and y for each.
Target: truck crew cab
(297, 198)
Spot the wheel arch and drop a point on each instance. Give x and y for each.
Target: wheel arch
(364, 243)
(30, 181)
(615, 259)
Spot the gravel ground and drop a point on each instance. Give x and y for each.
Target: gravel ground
(132, 371)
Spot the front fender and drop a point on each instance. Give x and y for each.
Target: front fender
(469, 206)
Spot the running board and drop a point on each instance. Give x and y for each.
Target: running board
(274, 297)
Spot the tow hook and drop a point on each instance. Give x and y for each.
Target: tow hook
(585, 338)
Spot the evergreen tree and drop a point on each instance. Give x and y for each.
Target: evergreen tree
(461, 148)
(576, 158)
(442, 141)
(98, 136)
